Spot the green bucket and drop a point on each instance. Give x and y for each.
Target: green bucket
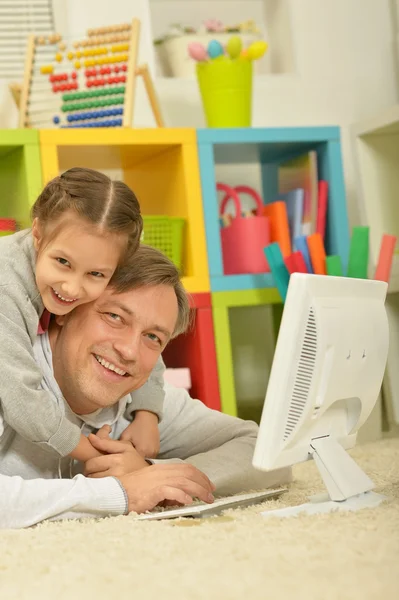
(165, 234)
(226, 90)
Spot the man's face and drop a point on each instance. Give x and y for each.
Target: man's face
(105, 349)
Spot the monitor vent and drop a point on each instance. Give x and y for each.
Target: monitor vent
(304, 375)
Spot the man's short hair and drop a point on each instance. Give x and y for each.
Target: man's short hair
(149, 267)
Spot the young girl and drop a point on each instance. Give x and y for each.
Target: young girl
(83, 226)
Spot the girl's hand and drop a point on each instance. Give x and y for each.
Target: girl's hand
(143, 433)
(121, 458)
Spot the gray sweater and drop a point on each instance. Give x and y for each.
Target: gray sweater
(219, 445)
(24, 405)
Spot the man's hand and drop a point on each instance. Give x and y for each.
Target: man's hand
(121, 457)
(143, 433)
(174, 483)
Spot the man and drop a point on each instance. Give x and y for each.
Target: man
(91, 360)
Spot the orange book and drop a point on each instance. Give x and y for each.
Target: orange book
(279, 228)
(317, 253)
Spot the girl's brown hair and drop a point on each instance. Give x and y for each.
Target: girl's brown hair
(110, 205)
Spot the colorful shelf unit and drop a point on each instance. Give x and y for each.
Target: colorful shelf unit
(376, 145)
(246, 324)
(160, 165)
(20, 173)
(196, 350)
(269, 148)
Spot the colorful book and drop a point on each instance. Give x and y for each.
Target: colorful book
(294, 201)
(334, 265)
(322, 200)
(279, 227)
(387, 250)
(317, 253)
(301, 172)
(295, 263)
(290, 263)
(278, 269)
(359, 253)
(300, 244)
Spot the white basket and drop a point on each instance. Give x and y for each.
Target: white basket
(173, 56)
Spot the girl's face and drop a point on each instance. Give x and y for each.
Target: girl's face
(75, 265)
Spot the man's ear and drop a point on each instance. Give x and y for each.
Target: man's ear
(37, 233)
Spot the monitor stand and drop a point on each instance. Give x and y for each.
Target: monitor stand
(348, 487)
(342, 477)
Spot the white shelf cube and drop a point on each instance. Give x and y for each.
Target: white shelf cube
(376, 144)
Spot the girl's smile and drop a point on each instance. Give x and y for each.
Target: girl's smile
(75, 265)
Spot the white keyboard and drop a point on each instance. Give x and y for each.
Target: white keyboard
(216, 508)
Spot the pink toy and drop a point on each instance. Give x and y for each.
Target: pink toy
(244, 240)
(180, 378)
(214, 25)
(197, 51)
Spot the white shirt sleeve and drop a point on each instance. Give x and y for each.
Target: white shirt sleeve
(27, 502)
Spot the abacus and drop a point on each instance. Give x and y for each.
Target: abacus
(87, 82)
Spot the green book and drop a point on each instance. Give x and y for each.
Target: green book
(359, 253)
(334, 265)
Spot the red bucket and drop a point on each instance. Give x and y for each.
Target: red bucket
(245, 238)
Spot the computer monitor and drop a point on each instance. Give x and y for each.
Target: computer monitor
(325, 379)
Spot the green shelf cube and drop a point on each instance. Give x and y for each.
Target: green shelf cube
(20, 173)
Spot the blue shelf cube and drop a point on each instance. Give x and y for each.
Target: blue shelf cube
(269, 147)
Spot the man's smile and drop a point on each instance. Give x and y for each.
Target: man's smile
(111, 367)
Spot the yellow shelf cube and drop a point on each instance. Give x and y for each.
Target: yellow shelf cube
(161, 167)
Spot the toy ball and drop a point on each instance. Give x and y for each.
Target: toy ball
(256, 50)
(197, 51)
(215, 49)
(234, 46)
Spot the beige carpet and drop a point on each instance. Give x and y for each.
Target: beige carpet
(352, 556)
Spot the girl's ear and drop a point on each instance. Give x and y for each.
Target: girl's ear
(36, 233)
